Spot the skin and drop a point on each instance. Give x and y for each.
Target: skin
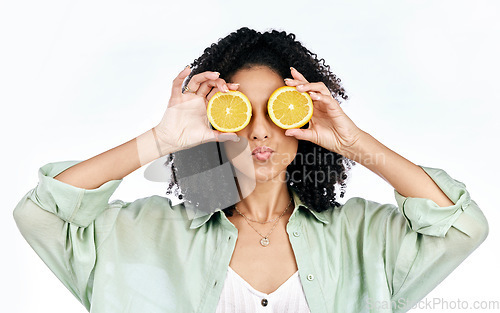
(265, 183)
(329, 127)
(185, 124)
(262, 181)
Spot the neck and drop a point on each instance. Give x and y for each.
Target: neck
(266, 201)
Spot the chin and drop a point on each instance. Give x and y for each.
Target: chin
(263, 175)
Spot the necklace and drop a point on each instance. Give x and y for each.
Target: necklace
(265, 239)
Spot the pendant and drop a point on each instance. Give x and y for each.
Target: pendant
(264, 242)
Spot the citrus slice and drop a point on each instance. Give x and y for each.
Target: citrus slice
(289, 108)
(229, 111)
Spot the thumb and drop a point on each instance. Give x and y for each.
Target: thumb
(221, 137)
(301, 134)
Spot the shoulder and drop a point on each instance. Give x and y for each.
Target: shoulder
(154, 207)
(360, 213)
(357, 207)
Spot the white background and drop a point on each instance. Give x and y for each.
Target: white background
(81, 77)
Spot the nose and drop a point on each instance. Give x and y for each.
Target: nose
(260, 128)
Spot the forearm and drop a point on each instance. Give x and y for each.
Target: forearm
(407, 178)
(113, 164)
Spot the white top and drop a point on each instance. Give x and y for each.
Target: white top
(238, 296)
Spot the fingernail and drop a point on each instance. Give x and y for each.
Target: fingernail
(236, 84)
(292, 68)
(217, 73)
(237, 139)
(288, 79)
(300, 87)
(224, 88)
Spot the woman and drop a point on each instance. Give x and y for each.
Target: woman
(290, 247)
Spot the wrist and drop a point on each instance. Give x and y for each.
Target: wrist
(366, 150)
(149, 147)
(158, 147)
(163, 145)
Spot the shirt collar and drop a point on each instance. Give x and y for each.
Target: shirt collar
(199, 217)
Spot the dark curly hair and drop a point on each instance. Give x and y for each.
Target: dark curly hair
(313, 173)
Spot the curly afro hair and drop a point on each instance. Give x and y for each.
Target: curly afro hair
(315, 171)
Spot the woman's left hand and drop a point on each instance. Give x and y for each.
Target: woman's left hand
(329, 126)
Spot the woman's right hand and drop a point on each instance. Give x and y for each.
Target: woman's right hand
(185, 123)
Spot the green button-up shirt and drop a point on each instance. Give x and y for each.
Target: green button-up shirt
(152, 256)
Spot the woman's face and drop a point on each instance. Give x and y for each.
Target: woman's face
(277, 151)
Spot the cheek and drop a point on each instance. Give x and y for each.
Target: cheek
(288, 150)
(289, 142)
(293, 143)
(292, 146)
(235, 150)
(239, 154)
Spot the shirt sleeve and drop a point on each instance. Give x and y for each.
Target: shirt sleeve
(424, 242)
(58, 221)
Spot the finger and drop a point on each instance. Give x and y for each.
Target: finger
(329, 103)
(315, 87)
(297, 75)
(177, 83)
(293, 82)
(206, 87)
(315, 96)
(198, 79)
(301, 134)
(231, 86)
(212, 93)
(221, 85)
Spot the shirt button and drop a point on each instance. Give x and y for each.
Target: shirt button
(296, 233)
(310, 277)
(263, 302)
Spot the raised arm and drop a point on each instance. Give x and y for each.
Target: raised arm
(332, 129)
(434, 228)
(113, 164)
(67, 216)
(406, 177)
(184, 124)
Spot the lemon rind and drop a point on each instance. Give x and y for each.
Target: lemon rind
(273, 117)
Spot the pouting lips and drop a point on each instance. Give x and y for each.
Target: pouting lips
(261, 150)
(262, 153)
